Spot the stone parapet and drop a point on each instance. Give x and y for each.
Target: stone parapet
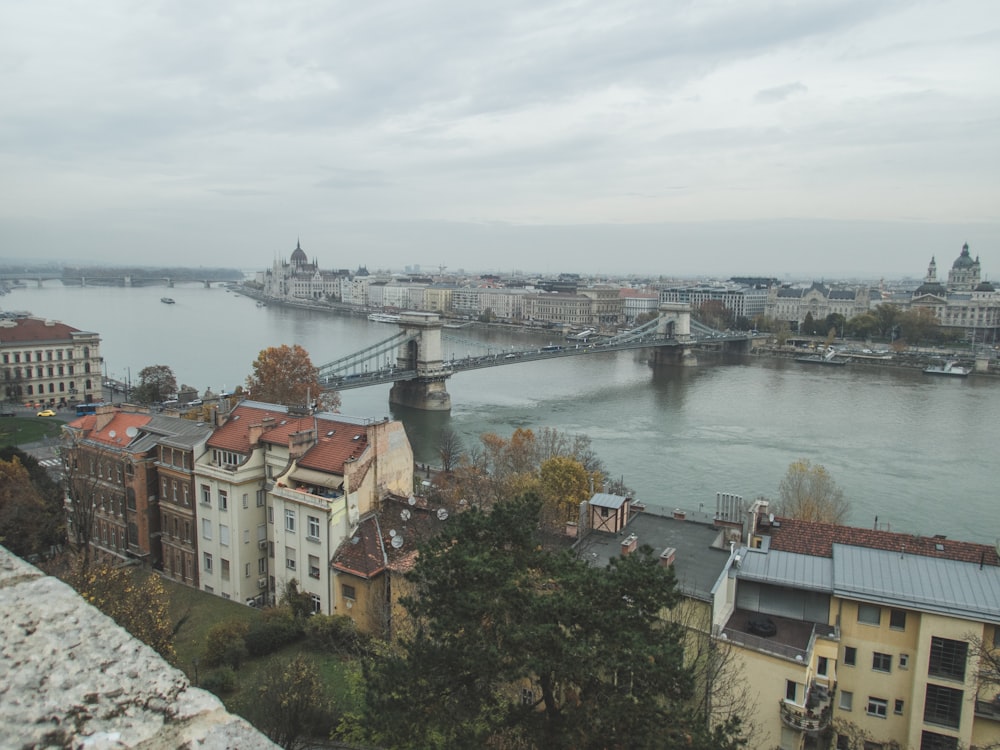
(71, 677)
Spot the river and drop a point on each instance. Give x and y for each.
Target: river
(913, 451)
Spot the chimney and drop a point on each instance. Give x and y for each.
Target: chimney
(667, 557)
(629, 544)
(104, 416)
(679, 514)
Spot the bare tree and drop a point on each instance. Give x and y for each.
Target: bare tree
(450, 449)
(809, 493)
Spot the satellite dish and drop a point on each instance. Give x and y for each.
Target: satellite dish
(112, 434)
(397, 542)
(442, 514)
(412, 500)
(405, 514)
(131, 431)
(392, 533)
(463, 501)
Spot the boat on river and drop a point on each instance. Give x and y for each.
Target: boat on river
(166, 300)
(829, 358)
(383, 318)
(950, 367)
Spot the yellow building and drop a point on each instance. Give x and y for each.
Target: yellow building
(855, 638)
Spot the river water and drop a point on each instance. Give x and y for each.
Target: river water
(916, 453)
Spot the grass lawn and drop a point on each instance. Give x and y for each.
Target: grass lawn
(18, 430)
(202, 610)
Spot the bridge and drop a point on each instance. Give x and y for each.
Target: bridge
(413, 361)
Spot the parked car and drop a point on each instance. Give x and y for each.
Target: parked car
(46, 413)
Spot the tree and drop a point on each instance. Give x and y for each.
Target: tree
(887, 318)
(714, 314)
(565, 484)
(32, 519)
(292, 705)
(449, 449)
(134, 599)
(809, 493)
(518, 646)
(919, 324)
(285, 375)
(156, 383)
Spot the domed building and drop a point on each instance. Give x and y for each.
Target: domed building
(965, 302)
(298, 278)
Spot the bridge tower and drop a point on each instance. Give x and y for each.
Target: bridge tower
(675, 323)
(423, 353)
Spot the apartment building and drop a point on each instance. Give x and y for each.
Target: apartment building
(280, 488)
(48, 362)
(135, 470)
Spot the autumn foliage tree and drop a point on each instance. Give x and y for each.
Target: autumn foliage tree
(809, 493)
(32, 520)
(286, 375)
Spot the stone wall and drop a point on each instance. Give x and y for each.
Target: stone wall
(70, 677)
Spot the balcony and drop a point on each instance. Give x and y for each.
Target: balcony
(989, 709)
(790, 639)
(812, 721)
(317, 497)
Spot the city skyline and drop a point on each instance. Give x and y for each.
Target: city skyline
(831, 139)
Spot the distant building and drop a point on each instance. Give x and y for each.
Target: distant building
(793, 304)
(300, 278)
(742, 300)
(965, 304)
(48, 362)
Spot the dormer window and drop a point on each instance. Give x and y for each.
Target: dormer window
(226, 459)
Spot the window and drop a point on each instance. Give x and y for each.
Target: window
(869, 614)
(246, 570)
(289, 520)
(313, 532)
(225, 569)
(289, 558)
(246, 500)
(881, 662)
(935, 741)
(943, 705)
(850, 656)
(347, 592)
(878, 707)
(246, 536)
(313, 566)
(187, 499)
(261, 494)
(790, 690)
(223, 500)
(898, 707)
(846, 700)
(897, 619)
(206, 495)
(947, 658)
(261, 565)
(223, 535)
(317, 603)
(822, 665)
(207, 564)
(904, 661)
(270, 514)
(206, 528)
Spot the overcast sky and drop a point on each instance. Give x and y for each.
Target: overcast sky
(697, 137)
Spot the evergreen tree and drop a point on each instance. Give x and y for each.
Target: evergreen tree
(519, 646)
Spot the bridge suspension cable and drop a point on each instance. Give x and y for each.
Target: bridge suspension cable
(373, 353)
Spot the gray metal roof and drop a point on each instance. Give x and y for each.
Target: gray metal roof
(959, 589)
(172, 431)
(604, 500)
(789, 569)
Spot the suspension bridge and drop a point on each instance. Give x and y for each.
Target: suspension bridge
(412, 359)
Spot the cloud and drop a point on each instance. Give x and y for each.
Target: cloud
(779, 93)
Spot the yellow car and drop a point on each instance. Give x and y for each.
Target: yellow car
(46, 413)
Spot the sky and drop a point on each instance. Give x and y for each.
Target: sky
(828, 138)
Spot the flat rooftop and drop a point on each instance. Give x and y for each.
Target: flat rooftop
(701, 554)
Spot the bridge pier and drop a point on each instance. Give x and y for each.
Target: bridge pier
(674, 355)
(427, 394)
(675, 323)
(427, 391)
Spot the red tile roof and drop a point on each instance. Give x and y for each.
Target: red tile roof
(814, 538)
(28, 330)
(363, 554)
(336, 443)
(115, 433)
